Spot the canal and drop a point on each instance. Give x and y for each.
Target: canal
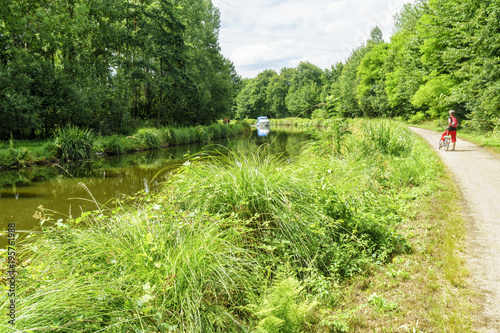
(69, 190)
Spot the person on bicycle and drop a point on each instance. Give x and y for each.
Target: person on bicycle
(451, 130)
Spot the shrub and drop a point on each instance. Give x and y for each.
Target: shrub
(74, 143)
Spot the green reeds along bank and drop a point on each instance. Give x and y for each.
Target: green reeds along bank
(147, 269)
(74, 143)
(207, 253)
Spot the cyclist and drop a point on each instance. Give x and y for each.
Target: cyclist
(451, 130)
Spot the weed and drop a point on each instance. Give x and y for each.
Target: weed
(381, 304)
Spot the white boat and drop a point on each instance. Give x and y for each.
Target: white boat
(262, 122)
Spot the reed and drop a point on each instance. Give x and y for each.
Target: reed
(148, 268)
(151, 138)
(74, 143)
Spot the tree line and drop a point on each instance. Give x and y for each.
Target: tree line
(443, 54)
(110, 65)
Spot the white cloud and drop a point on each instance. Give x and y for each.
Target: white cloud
(261, 34)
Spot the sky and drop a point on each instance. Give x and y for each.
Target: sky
(272, 34)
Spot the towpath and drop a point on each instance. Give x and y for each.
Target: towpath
(477, 174)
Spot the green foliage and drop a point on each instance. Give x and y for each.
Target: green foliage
(295, 91)
(276, 93)
(74, 143)
(113, 145)
(371, 87)
(347, 104)
(385, 138)
(12, 157)
(150, 267)
(252, 100)
(336, 131)
(180, 136)
(280, 308)
(433, 95)
(207, 252)
(105, 67)
(150, 137)
(305, 89)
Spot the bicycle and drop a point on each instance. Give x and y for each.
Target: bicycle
(446, 142)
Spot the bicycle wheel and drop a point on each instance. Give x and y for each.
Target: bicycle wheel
(447, 143)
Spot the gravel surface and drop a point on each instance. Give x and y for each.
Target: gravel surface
(477, 174)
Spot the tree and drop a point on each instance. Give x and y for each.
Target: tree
(348, 104)
(277, 91)
(100, 63)
(252, 100)
(304, 94)
(371, 87)
(405, 70)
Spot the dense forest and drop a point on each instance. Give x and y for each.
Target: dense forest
(114, 65)
(443, 54)
(110, 65)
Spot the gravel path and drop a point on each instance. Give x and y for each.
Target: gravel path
(477, 173)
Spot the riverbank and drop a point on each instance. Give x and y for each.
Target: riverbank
(74, 144)
(347, 238)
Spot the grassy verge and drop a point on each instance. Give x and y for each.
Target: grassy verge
(360, 234)
(425, 291)
(72, 143)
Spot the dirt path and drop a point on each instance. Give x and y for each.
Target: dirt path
(477, 173)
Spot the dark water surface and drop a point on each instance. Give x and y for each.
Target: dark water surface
(71, 189)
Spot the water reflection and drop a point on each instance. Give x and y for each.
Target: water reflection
(72, 189)
(262, 131)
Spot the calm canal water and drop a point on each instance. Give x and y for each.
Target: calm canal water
(59, 188)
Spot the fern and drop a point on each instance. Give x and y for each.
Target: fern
(281, 308)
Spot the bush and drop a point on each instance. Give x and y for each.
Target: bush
(74, 143)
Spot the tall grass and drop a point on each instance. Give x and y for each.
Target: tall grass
(181, 136)
(151, 269)
(151, 137)
(387, 138)
(74, 143)
(204, 254)
(261, 190)
(298, 211)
